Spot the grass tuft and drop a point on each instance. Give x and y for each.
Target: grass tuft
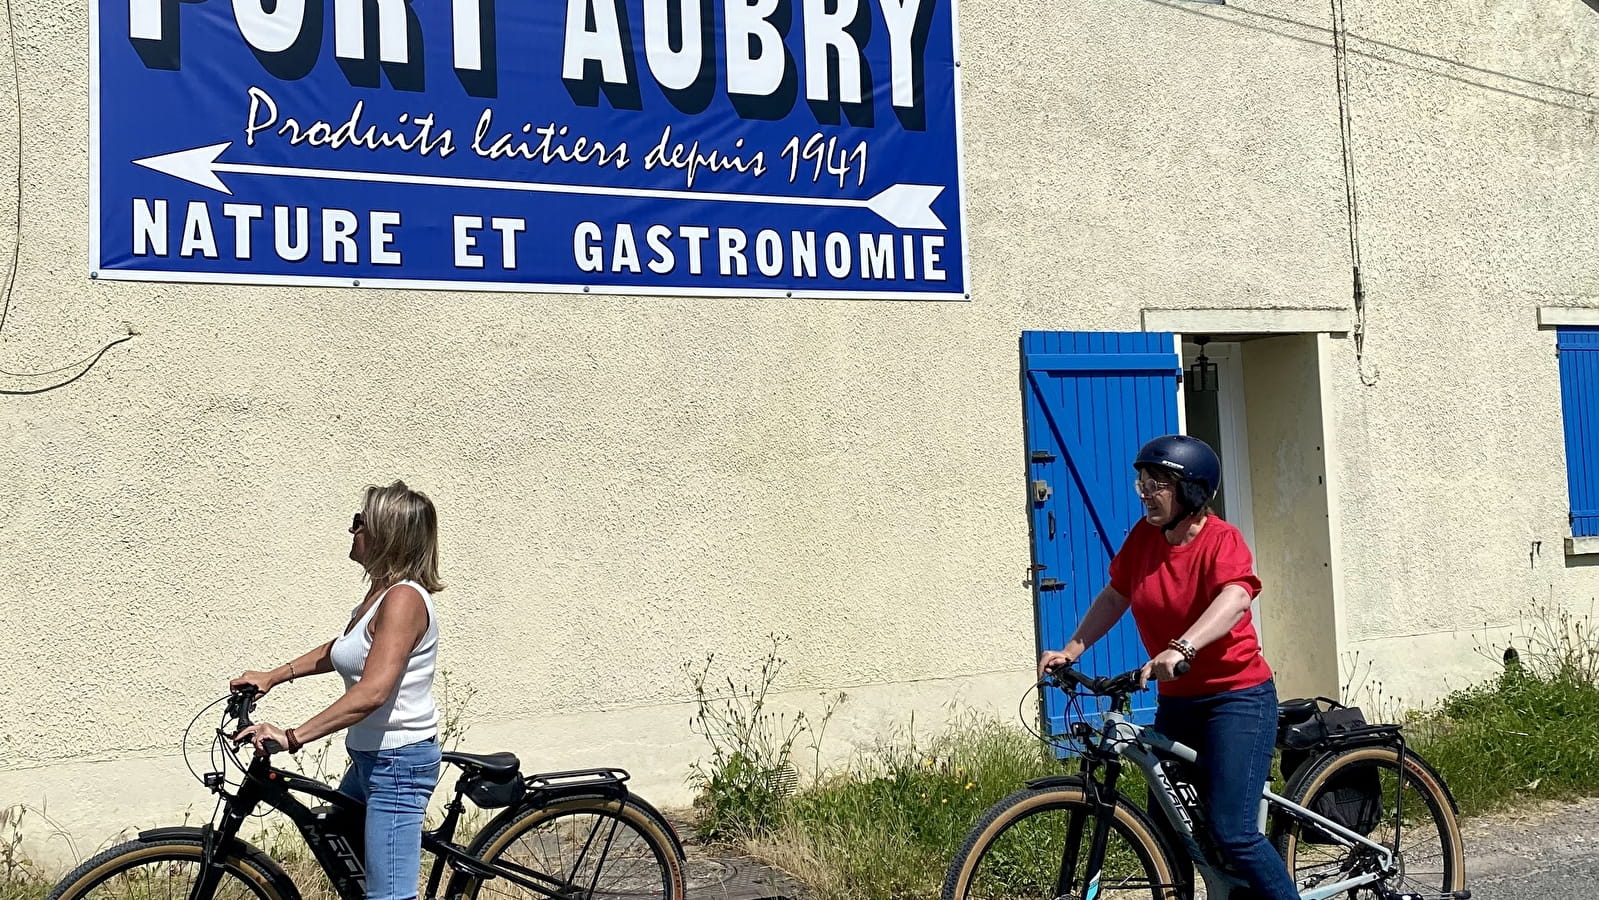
(888, 827)
(1531, 732)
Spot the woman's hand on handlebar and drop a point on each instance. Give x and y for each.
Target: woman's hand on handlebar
(261, 681)
(262, 732)
(1167, 665)
(1052, 660)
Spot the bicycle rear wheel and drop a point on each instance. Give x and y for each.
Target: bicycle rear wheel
(583, 848)
(1413, 805)
(168, 868)
(1034, 845)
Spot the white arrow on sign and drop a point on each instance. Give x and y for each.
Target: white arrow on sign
(902, 205)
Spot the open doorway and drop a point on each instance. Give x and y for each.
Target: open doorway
(1257, 399)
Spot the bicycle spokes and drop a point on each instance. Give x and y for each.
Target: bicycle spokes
(588, 854)
(1045, 856)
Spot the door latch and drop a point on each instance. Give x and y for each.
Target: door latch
(1032, 572)
(1041, 490)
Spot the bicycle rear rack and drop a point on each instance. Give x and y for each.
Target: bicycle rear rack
(577, 778)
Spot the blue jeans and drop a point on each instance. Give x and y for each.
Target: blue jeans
(1234, 733)
(395, 785)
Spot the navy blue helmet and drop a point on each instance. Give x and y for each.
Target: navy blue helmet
(1197, 467)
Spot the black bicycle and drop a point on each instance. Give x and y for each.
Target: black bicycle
(1361, 815)
(579, 835)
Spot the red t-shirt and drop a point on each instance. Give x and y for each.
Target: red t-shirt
(1171, 587)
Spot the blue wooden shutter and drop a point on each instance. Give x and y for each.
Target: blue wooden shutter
(1579, 392)
(1091, 399)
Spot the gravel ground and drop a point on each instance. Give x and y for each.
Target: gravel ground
(1548, 850)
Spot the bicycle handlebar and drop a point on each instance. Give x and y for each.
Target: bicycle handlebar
(240, 704)
(1117, 686)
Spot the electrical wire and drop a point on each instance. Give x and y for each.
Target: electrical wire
(16, 92)
(87, 362)
(1345, 130)
(1346, 139)
(9, 288)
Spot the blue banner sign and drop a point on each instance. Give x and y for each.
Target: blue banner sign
(713, 147)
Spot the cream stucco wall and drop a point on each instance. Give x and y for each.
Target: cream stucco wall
(1475, 192)
(628, 484)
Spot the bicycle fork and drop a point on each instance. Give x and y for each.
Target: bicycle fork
(1102, 800)
(214, 839)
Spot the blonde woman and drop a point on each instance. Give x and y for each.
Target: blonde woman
(386, 656)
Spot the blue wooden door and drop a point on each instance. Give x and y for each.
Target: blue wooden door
(1579, 386)
(1091, 399)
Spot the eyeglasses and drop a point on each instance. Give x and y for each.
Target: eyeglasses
(1149, 487)
(357, 523)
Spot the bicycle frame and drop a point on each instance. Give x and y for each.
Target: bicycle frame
(1120, 739)
(335, 833)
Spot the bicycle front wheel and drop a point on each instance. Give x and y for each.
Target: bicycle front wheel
(1402, 807)
(1034, 845)
(168, 868)
(584, 848)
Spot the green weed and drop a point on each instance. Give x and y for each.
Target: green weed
(740, 789)
(888, 826)
(1533, 731)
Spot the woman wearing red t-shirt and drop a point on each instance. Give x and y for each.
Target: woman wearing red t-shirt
(1189, 579)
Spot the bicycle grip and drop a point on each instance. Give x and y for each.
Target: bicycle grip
(1182, 668)
(270, 747)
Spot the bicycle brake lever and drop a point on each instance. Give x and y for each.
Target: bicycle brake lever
(268, 746)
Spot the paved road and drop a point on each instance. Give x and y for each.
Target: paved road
(1551, 851)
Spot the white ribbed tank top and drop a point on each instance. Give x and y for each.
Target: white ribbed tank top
(409, 715)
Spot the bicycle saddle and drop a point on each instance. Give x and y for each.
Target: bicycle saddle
(1292, 712)
(493, 763)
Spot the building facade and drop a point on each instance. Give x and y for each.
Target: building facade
(630, 483)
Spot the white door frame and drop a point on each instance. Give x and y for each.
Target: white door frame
(1229, 360)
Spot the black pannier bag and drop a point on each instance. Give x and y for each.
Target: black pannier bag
(1351, 798)
(495, 790)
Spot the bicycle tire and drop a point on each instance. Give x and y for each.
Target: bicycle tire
(1015, 829)
(248, 874)
(649, 867)
(1430, 825)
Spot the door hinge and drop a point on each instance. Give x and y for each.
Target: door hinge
(1050, 584)
(1042, 456)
